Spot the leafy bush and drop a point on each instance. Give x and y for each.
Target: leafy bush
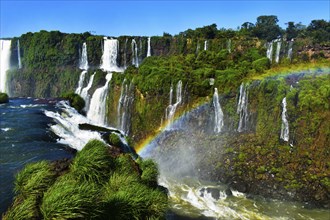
(261, 64)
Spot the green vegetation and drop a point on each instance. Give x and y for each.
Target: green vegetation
(75, 101)
(97, 185)
(114, 140)
(3, 98)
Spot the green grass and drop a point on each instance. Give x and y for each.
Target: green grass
(93, 162)
(97, 186)
(34, 179)
(149, 172)
(135, 201)
(23, 209)
(71, 199)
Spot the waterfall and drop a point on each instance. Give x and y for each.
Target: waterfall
(135, 59)
(5, 63)
(149, 47)
(290, 49)
(242, 108)
(109, 57)
(270, 51)
(140, 51)
(83, 61)
(120, 101)
(125, 55)
(123, 110)
(205, 45)
(19, 55)
(197, 48)
(218, 114)
(229, 45)
(81, 82)
(278, 50)
(97, 108)
(285, 123)
(83, 64)
(170, 110)
(84, 92)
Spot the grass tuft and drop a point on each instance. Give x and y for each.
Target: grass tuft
(23, 209)
(93, 162)
(34, 179)
(71, 199)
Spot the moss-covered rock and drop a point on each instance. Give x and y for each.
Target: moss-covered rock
(75, 101)
(3, 98)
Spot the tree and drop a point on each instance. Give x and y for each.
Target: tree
(291, 31)
(207, 32)
(267, 28)
(319, 30)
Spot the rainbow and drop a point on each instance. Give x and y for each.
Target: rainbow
(143, 146)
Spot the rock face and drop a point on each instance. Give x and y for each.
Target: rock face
(256, 161)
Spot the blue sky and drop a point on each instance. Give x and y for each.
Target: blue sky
(148, 18)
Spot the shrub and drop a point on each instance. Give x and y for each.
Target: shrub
(261, 64)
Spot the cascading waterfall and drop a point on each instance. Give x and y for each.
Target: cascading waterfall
(84, 92)
(125, 55)
(229, 45)
(270, 51)
(83, 64)
(83, 61)
(135, 59)
(109, 57)
(242, 108)
(149, 47)
(81, 82)
(170, 110)
(123, 110)
(290, 49)
(205, 45)
(278, 50)
(97, 108)
(197, 48)
(19, 55)
(5, 63)
(285, 123)
(121, 98)
(218, 113)
(140, 51)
